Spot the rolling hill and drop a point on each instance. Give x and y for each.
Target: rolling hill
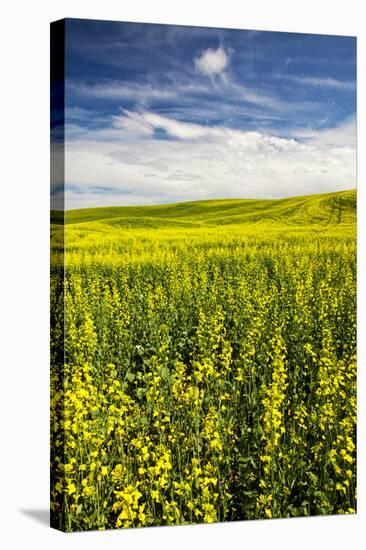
(323, 209)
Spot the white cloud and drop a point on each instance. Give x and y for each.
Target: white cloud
(212, 62)
(202, 162)
(176, 128)
(146, 122)
(340, 136)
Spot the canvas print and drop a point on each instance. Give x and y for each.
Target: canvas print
(203, 275)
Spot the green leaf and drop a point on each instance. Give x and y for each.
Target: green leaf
(130, 376)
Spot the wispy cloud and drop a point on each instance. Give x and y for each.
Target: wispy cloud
(319, 82)
(207, 97)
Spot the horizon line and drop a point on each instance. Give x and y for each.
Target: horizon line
(203, 200)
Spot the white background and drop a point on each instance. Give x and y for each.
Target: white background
(24, 219)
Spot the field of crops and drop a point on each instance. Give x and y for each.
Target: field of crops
(209, 366)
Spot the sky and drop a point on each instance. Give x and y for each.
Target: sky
(161, 114)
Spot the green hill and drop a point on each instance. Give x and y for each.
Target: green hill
(324, 209)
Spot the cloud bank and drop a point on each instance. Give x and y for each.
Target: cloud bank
(146, 158)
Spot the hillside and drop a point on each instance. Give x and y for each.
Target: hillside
(324, 209)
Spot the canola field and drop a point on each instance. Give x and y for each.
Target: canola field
(208, 371)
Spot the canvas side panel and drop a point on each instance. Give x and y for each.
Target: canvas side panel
(57, 273)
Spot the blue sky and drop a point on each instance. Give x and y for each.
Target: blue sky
(159, 114)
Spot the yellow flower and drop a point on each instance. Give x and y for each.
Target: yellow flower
(71, 488)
